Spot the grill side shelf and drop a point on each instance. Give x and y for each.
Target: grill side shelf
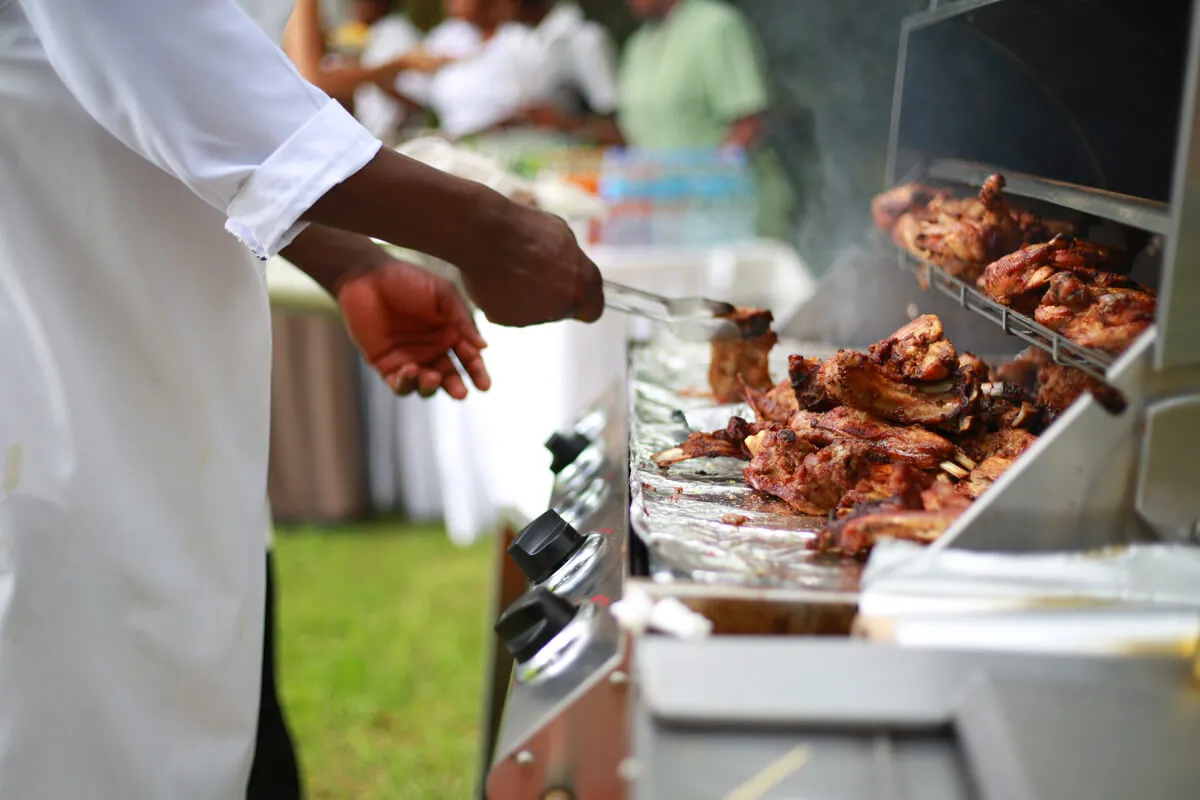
(1136, 212)
(1061, 349)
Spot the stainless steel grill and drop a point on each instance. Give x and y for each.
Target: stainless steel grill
(1085, 106)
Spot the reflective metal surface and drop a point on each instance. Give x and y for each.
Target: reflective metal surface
(576, 576)
(563, 724)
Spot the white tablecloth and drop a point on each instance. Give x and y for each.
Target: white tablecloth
(478, 462)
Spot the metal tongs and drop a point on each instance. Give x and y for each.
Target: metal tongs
(692, 318)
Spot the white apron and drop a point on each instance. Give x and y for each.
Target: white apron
(135, 360)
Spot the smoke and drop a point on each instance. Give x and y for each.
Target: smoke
(832, 67)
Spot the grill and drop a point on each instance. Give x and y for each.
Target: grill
(1087, 108)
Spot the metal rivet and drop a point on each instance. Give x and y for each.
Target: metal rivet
(618, 678)
(524, 758)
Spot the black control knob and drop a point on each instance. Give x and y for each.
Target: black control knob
(544, 545)
(530, 623)
(565, 448)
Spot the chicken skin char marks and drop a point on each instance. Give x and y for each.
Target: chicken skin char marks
(960, 236)
(852, 379)
(727, 443)
(917, 352)
(893, 442)
(777, 404)
(1019, 279)
(1055, 386)
(1106, 319)
(744, 360)
(809, 480)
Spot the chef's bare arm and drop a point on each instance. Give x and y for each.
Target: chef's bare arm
(239, 126)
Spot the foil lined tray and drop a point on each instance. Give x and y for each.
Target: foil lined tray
(699, 519)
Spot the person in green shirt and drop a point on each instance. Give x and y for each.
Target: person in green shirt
(691, 77)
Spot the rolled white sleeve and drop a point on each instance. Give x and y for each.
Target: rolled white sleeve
(197, 88)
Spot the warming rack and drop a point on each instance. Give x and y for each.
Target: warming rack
(1136, 212)
(1061, 349)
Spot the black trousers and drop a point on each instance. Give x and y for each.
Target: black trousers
(275, 773)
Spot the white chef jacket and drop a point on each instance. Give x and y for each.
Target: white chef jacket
(388, 39)
(568, 57)
(483, 89)
(135, 341)
(453, 38)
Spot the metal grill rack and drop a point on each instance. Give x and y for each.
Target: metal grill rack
(1062, 350)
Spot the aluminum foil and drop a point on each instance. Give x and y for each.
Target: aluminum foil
(906, 579)
(700, 521)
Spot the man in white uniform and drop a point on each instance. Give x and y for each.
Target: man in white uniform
(134, 338)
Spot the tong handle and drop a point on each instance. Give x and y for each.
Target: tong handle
(620, 297)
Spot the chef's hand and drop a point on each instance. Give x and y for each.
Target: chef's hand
(407, 322)
(531, 271)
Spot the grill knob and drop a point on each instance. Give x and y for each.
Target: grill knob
(565, 449)
(544, 545)
(529, 624)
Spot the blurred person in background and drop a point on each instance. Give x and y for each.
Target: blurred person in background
(691, 77)
(482, 89)
(570, 69)
(390, 36)
(305, 42)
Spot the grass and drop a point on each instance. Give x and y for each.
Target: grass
(381, 640)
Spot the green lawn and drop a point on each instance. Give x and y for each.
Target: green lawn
(382, 631)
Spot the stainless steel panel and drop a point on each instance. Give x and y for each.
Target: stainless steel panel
(1168, 488)
(1073, 489)
(1178, 320)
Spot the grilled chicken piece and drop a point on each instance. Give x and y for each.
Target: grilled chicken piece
(805, 376)
(1102, 318)
(889, 206)
(917, 352)
(1008, 442)
(1060, 386)
(746, 358)
(963, 244)
(727, 443)
(984, 475)
(857, 533)
(777, 404)
(899, 484)
(909, 444)
(812, 483)
(853, 380)
(1023, 370)
(1018, 279)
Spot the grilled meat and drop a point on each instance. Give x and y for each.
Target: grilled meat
(777, 404)
(889, 206)
(857, 533)
(727, 443)
(1023, 370)
(805, 376)
(812, 483)
(963, 238)
(1059, 386)
(1008, 442)
(853, 380)
(900, 485)
(1106, 319)
(984, 475)
(909, 444)
(917, 352)
(1019, 279)
(746, 358)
